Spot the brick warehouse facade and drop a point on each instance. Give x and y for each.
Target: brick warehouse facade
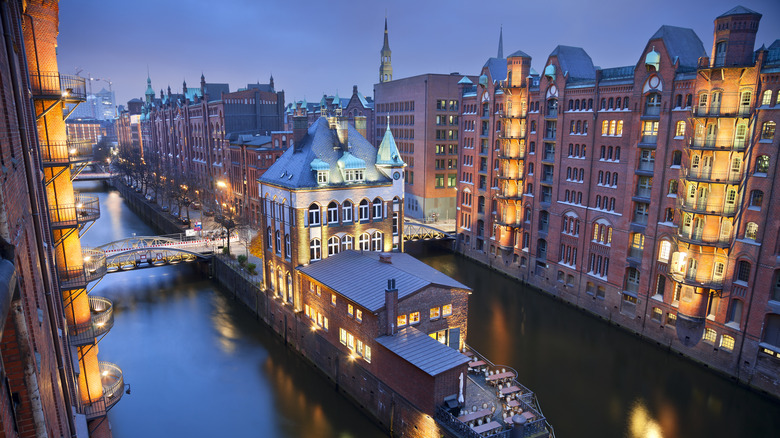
(43, 334)
(690, 137)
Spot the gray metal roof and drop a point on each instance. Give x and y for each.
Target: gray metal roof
(293, 170)
(681, 43)
(519, 54)
(423, 351)
(362, 278)
(497, 68)
(575, 61)
(738, 10)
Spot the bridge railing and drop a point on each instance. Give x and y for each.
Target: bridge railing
(84, 209)
(65, 153)
(101, 321)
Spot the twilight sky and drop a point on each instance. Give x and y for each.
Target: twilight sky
(312, 47)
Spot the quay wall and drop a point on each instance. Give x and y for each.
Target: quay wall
(738, 365)
(149, 213)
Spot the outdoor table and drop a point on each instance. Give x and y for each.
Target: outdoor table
(472, 416)
(487, 427)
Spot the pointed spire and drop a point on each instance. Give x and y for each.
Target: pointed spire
(386, 46)
(501, 43)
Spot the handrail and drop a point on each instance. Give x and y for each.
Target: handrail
(721, 111)
(85, 209)
(706, 174)
(102, 320)
(66, 152)
(113, 389)
(55, 84)
(718, 145)
(707, 208)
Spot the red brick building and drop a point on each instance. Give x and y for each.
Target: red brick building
(691, 138)
(358, 110)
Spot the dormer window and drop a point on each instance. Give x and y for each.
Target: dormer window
(322, 169)
(352, 168)
(353, 175)
(322, 177)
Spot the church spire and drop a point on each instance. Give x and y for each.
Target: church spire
(385, 67)
(501, 43)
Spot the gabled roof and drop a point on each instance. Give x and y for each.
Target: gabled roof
(292, 169)
(215, 90)
(261, 87)
(388, 154)
(681, 43)
(575, 62)
(362, 278)
(738, 10)
(497, 68)
(422, 351)
(519, 54)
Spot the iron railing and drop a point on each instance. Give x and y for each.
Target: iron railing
(66, 153)
(705, 174)
(102, 320)
(113, 387)
(84, 209)
(93, 268)
(703, 207)
(699, 238)
(709, 144)
(58, 86)
(696, 280)
(721, 111)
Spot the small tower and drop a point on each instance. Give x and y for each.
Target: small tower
(271, 83)
(202, 84)
(735, 37)
(184, 88)
(149, 91)
(385, 67)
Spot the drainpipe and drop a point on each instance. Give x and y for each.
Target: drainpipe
(35, 212)
(30, 377)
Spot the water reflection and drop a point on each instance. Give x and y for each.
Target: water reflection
(594, 379)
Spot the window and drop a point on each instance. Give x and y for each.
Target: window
(446, 310)
(664, 251)
(287, 252)
(776, 288)
(333, 213)
(376, 241)
(346, 211)
(768, 130)
(314, 214)
(358, 315)
(676, 158)
(350, 310)
(735, 312)
(363, 242)
(414, 317)
(333, 300)
(672, 187)
(709, 335)
(363, 210)
(657, 314)
(771, 334)
(401, 320)
(435, 313)
(278, 242)
(751, 231)
(346, 242)
(377, 207)
(727, 343)
(756, 198)
(315, 250)
(743, 271)
(762, 164)
(766, 98)
(334, 245)
(680, 130)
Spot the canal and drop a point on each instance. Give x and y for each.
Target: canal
(200, 365)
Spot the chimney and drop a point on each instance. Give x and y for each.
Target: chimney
(342, 129)
(384, 257)
(300, 128)
(391, 307)
(360, 125)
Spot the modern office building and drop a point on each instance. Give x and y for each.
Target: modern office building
(641, 193)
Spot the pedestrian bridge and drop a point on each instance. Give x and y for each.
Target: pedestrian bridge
(148, 251)
(418, 231)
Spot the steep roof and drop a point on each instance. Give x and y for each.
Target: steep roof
(362, 278)
(293, 170)
(497, 68)
(388, 151)
(575, 61)
(519, 54)
(738, 10)
(681, 43)
(423, 351)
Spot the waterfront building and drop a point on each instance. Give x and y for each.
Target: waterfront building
(331, 190)
(691, 138)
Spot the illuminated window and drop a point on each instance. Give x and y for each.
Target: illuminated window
(709, 335)
(440, 336)
(414, 317)
(664, 251)
(346, 242)
(363, 242)
(350, 310)
(333, 299)
(315, 250)
(751, 231)
(671, 319)
(376, 241)
(727, 343)
(657, 314)
(680, 131)
(346, 211)
(363, 210)
(768, 130)
(333, 213)
(350, 341)
(446, 310)
(367, 353)
(359, 315)
(435, 313)
(343, 336)
(334, 245)
(401, 320)
(314, 214)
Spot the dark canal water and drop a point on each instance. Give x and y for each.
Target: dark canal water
(201, 366)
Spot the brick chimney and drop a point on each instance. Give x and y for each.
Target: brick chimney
(360, 125)
(300, 128)
(391, 307)
(342, 129)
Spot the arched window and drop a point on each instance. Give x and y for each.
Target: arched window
(377, 207)
(363, 210)
(664, 251)
(751, 231)
(625, 102)
(590, 104)
(287, 253)
(289, 288)
(314, 214)
(280, 282)
(269, 238)
(346, 242)
(278, 242)
(376, 241)
(762, 164)
(673, 187)
(678, 101)
(680, 129)
(614, 179)
(364, 242)
(333, 213)
(766, 98)
(768, 130)
(334, 245)
(743, 271)
(315, 249)
(346, 211)
(609, 103)
(271, 277)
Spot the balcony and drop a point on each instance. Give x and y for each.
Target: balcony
(64, 154)
(102, 320)
(511, 135)
(643, 192)
(113, 388)
(507, 154)
(94, 268)
(721, 111)
(652, 111)
(648, 140)
(705, 174)
(696, 281)
(511, 114)
(84, 209)
(646, 166)
(702, 207)
(635, 253)
(709, 144)
(506, 223)
(699, 238)
(56, 86)
(551, 113)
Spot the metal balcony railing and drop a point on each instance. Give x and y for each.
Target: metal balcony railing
(705, 174)
(113, 388)
(652, 111)
(53, 85)
(708, 144)
(649, 139)
(721, 111)
(84, 209)
(643, 192)
(646, 165)
(63, 154)
(699, 281)
(635, 253)
(699, 238)
(703, 207)
(102, 320)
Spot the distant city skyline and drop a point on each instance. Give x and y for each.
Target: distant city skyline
(314, 47)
